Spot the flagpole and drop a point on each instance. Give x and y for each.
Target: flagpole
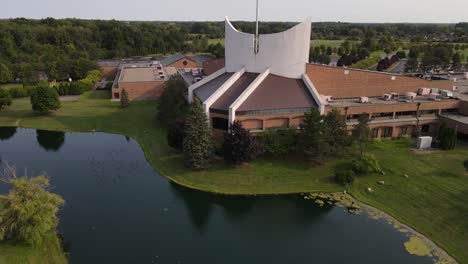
(256, 32)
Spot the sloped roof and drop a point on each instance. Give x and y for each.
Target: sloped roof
(173, 58)
(236, 89)
(205, 91)
(277, 92)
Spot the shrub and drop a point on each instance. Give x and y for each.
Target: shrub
(345, 176)
(366, 164)
(5, 98)
(466, 164)
(239, 146)
(45, 99)
(278, 142)
(20, 92)
(176, 134)
(124, 101)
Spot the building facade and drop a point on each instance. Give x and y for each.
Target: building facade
(266, 82)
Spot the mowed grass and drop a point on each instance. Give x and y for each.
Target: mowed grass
(433, 199)
(331, 43)
(49, 253)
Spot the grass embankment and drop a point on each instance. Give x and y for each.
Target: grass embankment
(432, 199)
(370, 62)
(49, 253)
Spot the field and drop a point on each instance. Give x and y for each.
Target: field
(432, 199)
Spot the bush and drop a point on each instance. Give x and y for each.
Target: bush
(466, 164)
(20, 92)
(176, 134)
(366, 164)
(45, 99)
(345, 176)
(278, 142)
(124, 101)
(5, 98)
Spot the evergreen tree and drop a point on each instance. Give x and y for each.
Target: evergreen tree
(239, 146)
(5, 98)
(44, 99)
(176, 134)
(363, 131)
(447, 137)
(198, 143)
(124, 101)
(313, 141)
(337, 138)
(31, 211)
(172, 104)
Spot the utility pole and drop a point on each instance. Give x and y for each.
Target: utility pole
(256, 48)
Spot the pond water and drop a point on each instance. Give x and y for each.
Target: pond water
(119, 210)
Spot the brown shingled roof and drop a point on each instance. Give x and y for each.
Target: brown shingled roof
(277, 92)
(234, 91)
(333, 81)
(212, 66)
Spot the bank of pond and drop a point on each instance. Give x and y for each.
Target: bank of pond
(119, 210)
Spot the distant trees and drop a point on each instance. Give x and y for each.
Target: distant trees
(5, 98)
(124, 100)
(44, 99)
(6, 75)
(31, 211)
(198, 143)
(239, 146)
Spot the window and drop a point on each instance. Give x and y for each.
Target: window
(117, 95)
(428, 112)
(387, 132)
(403, 131)
(451, 110)
(185, 63)
(381, 115)
(375, 133)
(406, 113)
(220, 123)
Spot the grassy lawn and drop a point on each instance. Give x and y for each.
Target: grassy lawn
(330, 43)
(433, 199)
(370, 62)
(49, 253)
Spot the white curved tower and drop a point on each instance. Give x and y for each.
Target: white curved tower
(285, 54)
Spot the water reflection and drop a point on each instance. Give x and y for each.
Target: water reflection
(7, 133)
(50, 140)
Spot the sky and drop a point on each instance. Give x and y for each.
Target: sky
(425, 11)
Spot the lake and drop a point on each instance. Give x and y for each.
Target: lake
(119, 210)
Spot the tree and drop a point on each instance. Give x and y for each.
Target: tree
(337, 137)
(363, 131)
(44, 99)
(5, 74)
(239, 146)
(312, 139)
(465, 164)
(456, 61)
(447, 137)
(172, 105)
(5, 98)
(176, 134)
(124, 101)
(198, 144)
(31, 211)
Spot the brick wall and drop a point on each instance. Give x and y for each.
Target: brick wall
(333, 81)
(141, 90)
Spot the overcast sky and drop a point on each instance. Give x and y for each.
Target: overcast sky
(436, 11)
